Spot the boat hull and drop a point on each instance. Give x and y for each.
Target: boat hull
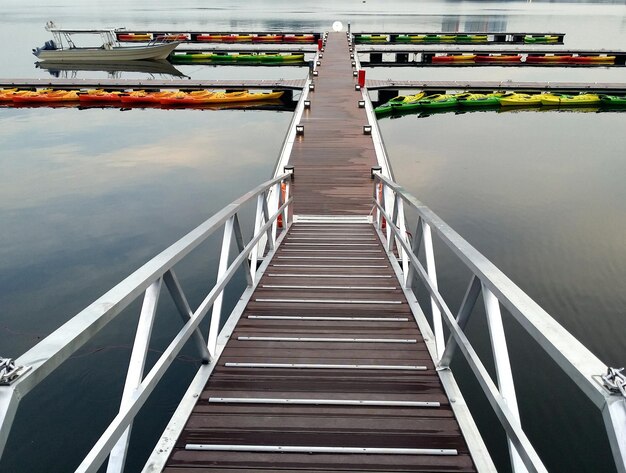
(130, 53)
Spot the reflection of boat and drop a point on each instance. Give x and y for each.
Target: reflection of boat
(148, 67)
(63, 49)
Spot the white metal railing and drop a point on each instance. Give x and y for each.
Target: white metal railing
(606, 391)
(18, 377)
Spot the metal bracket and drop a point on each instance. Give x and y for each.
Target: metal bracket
(615, 381)
(9, 372)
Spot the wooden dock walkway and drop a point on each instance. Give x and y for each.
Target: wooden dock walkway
(326, 369)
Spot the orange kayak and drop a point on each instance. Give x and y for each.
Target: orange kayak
(299, 38)
(268, 38)
(453, 58)
(143, 97)
(208, 97)
(541, 59)
(99, 95)
(498, 58)
(134, 37)
(46, 96)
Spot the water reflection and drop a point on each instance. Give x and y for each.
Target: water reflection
(68, 70)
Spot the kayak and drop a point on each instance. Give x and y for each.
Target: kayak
(592, 60)
(267, 38)
(7, 94)
(479, 100)
(472, 38)
(98, 95)
(371, 38)
(299, 38)
(616, 100)
(396, 103)
(548, 58)
(209, 37)
(436, 38)
(237, 38)
(573, 100)
(405, 38)
(225, 57)
(46, 96)
(207, 97)
(498, 58)
(143, 97)
(173, 37)
(548, 38)
(513, 99)
(456, 58)
(437, 101)
(134, 37)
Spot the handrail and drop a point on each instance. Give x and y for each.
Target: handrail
(582, 366)
(41, 360)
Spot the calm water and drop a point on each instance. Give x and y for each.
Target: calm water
(86, 196)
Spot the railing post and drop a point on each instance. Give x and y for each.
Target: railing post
(415, 247)
(402, 228)
(286, 198)
(432, 274)
(258, 223)
(389, 206)
(240, 247)
(134, 376)
(216, 314)
(503, 367)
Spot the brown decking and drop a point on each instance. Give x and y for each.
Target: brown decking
(334, 158)
(332, 274)
(326, 281)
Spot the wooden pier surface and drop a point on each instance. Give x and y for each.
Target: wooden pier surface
(326, 370)
(333, 159)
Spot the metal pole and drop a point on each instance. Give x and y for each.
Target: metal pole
(503, 368)
(432, 275)
(134, 376)
(216, 314)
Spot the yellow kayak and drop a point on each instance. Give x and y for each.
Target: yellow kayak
(573, 100)
(513, 99)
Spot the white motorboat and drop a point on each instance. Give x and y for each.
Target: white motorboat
(63, 49)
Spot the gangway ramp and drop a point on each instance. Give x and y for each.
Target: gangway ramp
(326, 371)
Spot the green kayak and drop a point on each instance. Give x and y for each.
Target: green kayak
(399, 103)
(479, 100)
(436, 101)
(613, 100)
